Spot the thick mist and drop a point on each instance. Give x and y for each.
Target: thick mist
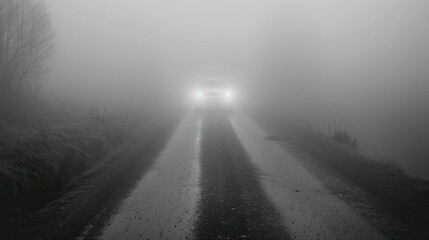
(366, 58)
(155, 48)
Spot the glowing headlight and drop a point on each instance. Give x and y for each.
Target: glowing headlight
(228, 94)
(199, 94)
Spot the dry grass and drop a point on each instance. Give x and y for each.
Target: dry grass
(346, 139)
(38, 161)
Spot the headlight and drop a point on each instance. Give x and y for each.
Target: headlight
(199, 94)
(228, 94)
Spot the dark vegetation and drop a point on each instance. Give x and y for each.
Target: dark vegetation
(28, 167)
(93, 196)
(334, 123)
(38, 161)
(43, 148)
(344, 138)
(397, 197)
(403, 198)
(26, 44)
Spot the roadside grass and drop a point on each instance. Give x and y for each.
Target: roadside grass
(38, 160)
(402, 199)
(386, 184)
(390, 163)
(346, 139)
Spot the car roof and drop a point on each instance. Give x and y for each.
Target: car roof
(213, 80)
(213, 83)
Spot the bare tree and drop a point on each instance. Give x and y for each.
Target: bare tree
(26, 44)
(334, 121)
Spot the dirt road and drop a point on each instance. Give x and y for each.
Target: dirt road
(216, 177)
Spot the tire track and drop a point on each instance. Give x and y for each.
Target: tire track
(233, 204)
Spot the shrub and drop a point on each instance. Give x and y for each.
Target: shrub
(344, 138)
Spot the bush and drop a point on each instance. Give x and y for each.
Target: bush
(345, 138)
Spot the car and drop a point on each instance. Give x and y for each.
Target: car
(213, 93)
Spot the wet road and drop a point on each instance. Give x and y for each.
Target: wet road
(218, 178)
(164, 203)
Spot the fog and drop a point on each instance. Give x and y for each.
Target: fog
(368, 58)
(152, 46)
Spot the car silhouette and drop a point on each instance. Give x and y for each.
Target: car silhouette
(213, 93)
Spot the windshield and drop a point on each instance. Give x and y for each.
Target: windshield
(213, 83)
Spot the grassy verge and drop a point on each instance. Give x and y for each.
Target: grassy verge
(402, 197)
(89, 202)
(40, 157)
(396, 203)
